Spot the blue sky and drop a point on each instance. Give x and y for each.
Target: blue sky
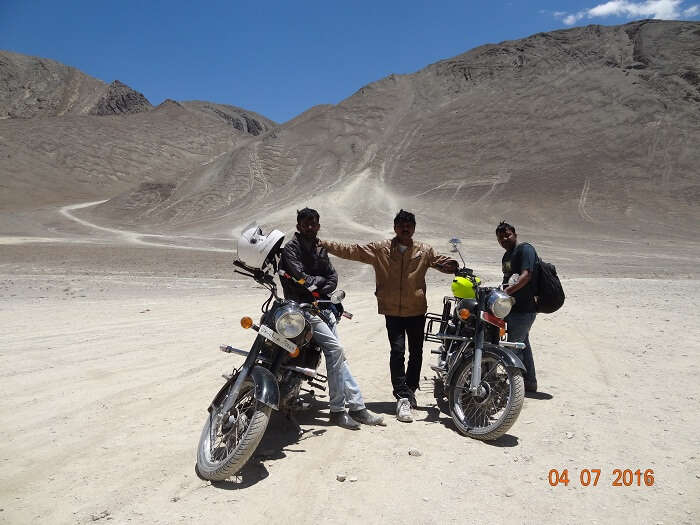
(281, 58)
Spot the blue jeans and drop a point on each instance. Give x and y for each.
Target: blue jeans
(342, 387)
(519, 324)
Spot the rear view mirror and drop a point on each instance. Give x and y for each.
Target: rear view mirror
(337, 296)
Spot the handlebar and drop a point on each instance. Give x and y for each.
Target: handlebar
(256, 273)
(315, 305)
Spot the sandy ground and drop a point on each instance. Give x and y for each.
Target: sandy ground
(109, 357)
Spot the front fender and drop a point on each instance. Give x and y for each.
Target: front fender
(266, 389)
(504, 354)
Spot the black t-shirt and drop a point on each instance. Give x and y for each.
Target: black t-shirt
(522, 257)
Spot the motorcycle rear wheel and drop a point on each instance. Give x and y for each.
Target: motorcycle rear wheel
(229, 440)
(489, 417)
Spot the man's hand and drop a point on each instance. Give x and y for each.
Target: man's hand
(448, 267)
(525, 277)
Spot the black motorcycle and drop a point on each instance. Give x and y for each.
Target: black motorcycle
(281, 359)
(476, 370)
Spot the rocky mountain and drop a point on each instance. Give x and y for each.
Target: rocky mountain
(65, 135)
(586, 131)
(38, 87)
(580, 130)
(120, 98)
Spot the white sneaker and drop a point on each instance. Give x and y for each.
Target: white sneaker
(403, 410)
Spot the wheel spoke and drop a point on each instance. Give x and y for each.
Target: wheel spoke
(223, 443)
(487, 374)
(483, 413)
(474, 410)
(496, 409)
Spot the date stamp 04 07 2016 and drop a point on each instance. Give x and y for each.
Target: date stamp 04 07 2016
(590, 477)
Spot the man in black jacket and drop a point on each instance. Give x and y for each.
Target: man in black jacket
(307, 263)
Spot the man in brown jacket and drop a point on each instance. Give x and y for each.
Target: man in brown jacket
(400, 265)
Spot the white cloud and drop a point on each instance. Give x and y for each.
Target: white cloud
(668, 9)
(664, 9)
(570, 20)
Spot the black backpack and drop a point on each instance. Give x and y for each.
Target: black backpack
(550, 293)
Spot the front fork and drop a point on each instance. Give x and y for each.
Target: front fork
(266, 388)
(243, 373)
(475, 387)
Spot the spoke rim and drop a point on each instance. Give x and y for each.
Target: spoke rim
(223, 438)
(483, 414)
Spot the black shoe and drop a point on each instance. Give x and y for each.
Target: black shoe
(531, 386)
(342, 419)
(366, 417)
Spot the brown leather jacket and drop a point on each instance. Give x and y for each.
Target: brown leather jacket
(400, 277)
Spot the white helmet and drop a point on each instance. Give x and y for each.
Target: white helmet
(254, 249)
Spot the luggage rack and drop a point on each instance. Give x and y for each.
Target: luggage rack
(437, 334)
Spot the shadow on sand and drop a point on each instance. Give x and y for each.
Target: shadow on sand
(281, 433)
(440, 413)
(539, 395)
(382, 407)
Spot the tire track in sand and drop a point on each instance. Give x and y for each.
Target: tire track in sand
(582, 201)
(131, 236)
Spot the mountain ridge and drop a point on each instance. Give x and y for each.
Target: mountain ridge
(572, 130)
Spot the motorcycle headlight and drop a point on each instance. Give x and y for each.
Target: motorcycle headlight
(499, 303)
(305, 336)
(289, 321)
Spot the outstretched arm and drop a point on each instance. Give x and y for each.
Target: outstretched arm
(353, 252)
(443, 263)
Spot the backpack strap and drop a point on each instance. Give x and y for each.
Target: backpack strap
(537, 257)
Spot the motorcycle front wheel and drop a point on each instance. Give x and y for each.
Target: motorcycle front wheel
(228, 440)
(490, 415)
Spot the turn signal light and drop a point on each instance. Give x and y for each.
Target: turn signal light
(295, 353)
(502, 332)
(464, 314)
(246, 322)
